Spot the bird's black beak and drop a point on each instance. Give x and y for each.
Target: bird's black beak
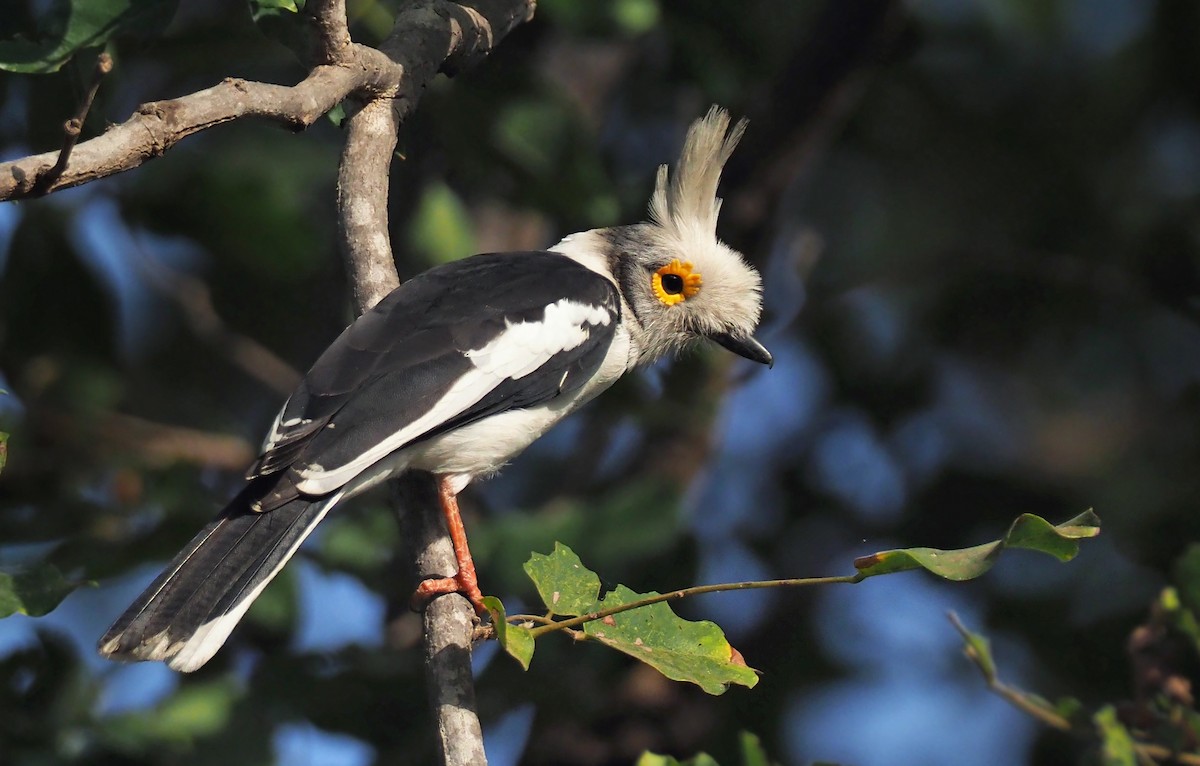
(745, 346)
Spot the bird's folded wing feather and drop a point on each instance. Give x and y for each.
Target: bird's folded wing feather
(459, 343)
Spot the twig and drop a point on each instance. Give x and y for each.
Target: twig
(74, 126)
(675, 595)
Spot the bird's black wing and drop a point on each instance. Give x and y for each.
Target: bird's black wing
(405, 370)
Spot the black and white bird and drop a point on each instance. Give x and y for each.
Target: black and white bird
(455, 373)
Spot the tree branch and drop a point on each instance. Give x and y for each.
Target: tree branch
(333, 34)
(426, 36)
(429, 36)
(449, 624)
(362, 200)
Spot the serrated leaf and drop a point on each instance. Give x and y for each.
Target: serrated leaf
(515, 639)
(34, 591)
(68, 26)
(1028, 532)
(565, 585)
(680, 649)
(1116, 744)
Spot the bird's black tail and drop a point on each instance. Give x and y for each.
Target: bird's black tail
(187, 613)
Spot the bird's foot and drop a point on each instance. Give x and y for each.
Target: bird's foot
(464, 583)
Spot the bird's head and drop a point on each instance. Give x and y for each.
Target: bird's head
(679, 281)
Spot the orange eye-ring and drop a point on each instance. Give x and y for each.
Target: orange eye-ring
(675, 282)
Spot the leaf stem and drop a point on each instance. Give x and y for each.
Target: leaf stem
(698, 590)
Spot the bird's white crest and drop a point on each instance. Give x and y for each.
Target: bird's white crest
(686, 203)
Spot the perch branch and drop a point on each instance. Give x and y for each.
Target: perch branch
(449, 624)
(426, 36)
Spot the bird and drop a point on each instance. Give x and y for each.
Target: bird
(454, 373)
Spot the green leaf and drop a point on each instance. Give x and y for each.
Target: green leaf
(441, 228)
(977, 648)
(259, 6)
(1028, 531)
(1116, 744)
(34, 591)
(753, 753)
(516, 639)
(680, 649)
(636, 16)
(1187, 577)
(654, 759)
(196, 710)
(3, 450)
(68, 26)
(565, 585)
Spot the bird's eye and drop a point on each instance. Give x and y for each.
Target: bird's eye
(675, 282)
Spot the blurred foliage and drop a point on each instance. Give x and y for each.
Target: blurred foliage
(1157, 720)
(44, 42)
(752, 754)
(979, 231)
(34, 591)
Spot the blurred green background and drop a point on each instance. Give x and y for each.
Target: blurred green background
(978, 228)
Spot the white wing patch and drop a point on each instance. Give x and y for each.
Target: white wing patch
(276, 430)
(525, 346)
(519, 350)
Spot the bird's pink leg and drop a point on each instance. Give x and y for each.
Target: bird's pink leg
(465, 582)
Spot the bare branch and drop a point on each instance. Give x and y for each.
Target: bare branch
(157, 126)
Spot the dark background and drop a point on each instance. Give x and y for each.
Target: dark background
(978, 229)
